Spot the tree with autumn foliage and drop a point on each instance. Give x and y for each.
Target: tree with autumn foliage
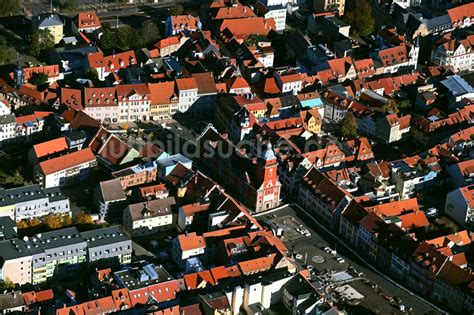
(83, 218)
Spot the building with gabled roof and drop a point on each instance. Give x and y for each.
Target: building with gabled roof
(181, 24)
(66, 169)
(163, 100)
(460, 205)
(257, 177)
(86, 22)
(323, 197)
(101, 104)
(106, 65)
(462, 16)
(50, 22)
(149, 217)
(47, 149)
(449, 51)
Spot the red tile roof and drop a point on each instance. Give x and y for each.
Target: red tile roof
(169, 41)
(121, 299)
(20, 120)
(185, 84)
(71, 98)
(70, 310)
(395, 207)
(414, 220)
(33, 297)
(161, 93)
(460, 13)
(88, 20)
(67, 161)
(234, 12)
(191, 241)
(113, 62)
(257, 265)
(205, 82)
(340, 66)
(164, 291)
(100, 97)
(180, 22)
(127, 90)
(393, 55)
(50, 70)
(364, 68)
(246, 27)
(49, 147)
(99, 306)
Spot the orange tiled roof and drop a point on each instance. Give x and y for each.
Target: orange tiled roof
(50, 70)
(100, 97)
(191, 241)
(67, 161)
(183, 21)
(184, 84)
(121, 298)
(88, 20)
(49, 147)
(458, 14)
(414, 220)
(257, 264)
(246, 27)
(161, 93)
(395, 207)
(234, 12)
(393, 55)
(113, 62)
(20, 120)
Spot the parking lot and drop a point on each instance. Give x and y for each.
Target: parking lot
(320, 250)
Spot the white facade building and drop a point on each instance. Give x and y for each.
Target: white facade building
(458, 54)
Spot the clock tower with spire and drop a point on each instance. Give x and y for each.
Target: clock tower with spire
(268, 193)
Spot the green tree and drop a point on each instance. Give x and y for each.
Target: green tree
(13, 180)
(404, 105)
(39, 78)
(67, 4)
(177, 9)
(360, 18)
(108, 39)
(391, 106)
(9, 7)
(83, 218)
(128, 38)
(7, 284)
(40, 41)
(347, 127)
(3, 50)
(149, 32)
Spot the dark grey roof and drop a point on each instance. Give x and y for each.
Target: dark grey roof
(54, 239)
(21, 194)
(104, 236)
(152, 208)
(29, 193)
(438, 21)
(11, 300)
(7, 228)
(12, 249)
(54, 194)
